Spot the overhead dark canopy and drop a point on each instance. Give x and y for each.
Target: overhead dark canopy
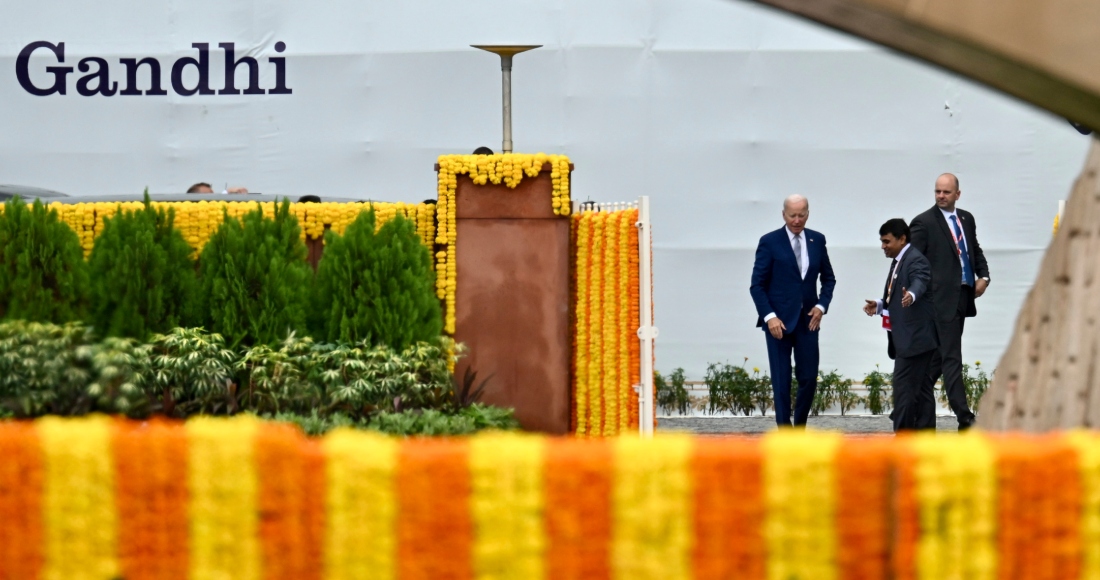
(1042, 51)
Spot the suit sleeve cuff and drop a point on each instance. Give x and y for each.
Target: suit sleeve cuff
(914, 296)
(821, 308)
(769, 317)
(878, 307)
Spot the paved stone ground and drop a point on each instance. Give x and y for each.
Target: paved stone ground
(757, 424)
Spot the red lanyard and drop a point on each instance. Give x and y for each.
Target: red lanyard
(951, 229)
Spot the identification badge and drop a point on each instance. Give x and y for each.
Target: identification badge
(886, 319)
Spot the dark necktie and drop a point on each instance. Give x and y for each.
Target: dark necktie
(968, 272)
(886, 287)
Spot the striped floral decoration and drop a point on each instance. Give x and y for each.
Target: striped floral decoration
(102, 498)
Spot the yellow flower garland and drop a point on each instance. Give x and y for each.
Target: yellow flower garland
(627, 331)
(651, 511)
(198, 220)
(595, 328)
(1087, 445)
(360, 506)
(507, 503)
(956, 487)
(508, 169)
(611, 331)
(580, 351)
(78, 508)
(800, 502)
(224, 490)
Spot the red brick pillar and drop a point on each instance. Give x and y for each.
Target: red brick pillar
(512, 299)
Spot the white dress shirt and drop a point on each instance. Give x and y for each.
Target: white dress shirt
(805, 264)
(947, 217)
(894, 275)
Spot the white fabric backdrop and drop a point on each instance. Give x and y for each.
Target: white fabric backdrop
(716, 109)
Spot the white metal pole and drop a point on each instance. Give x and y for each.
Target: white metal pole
(646, 331)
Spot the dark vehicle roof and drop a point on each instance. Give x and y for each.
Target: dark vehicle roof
(28, 192)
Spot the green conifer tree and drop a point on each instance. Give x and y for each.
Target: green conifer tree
(377, 287)
(43, 276)
(255, 279)
(142, 275)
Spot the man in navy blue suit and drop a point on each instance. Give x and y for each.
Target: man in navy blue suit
(789, 262)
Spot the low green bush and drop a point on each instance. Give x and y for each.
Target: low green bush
(879, 398)
(43, 276)
(672, 395)
(409, 423)
(62, 369)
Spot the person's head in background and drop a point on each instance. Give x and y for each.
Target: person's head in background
(200, 187)
(483, 151)
(309, 199)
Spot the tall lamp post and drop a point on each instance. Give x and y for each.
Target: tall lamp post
(506, 52)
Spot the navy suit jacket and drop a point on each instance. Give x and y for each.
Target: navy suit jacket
(777, 284)
(914, 328)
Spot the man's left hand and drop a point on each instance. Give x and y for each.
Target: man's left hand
(815, 319)
(979, 287)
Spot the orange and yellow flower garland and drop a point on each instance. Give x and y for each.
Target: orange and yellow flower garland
(506, 169)
(100, 498)
(607, 351)
(198, 220)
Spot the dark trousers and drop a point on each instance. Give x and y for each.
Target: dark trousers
(911, 392)
(947, 362)
(803, 344)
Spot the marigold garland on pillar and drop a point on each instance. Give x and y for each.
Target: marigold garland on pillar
(612, 332)
(607, 352)
(508, 169)
(582, 268)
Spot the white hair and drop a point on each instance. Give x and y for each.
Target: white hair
(794, 199)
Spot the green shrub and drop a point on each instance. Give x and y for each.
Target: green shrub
(376, 287)
(275, 380)
(255, 279)
(361, 380)
(729, 389)
(672, 395)
(45, 368)
(142, 276)
(879, 398)
(828, 386)
(192, 372)
(762, 396)
(846, 397)
(476, 417)
(975, 382)
(43, 276)
(122, 376)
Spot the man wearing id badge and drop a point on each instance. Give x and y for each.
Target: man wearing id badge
(910, 324)
(948, 237)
